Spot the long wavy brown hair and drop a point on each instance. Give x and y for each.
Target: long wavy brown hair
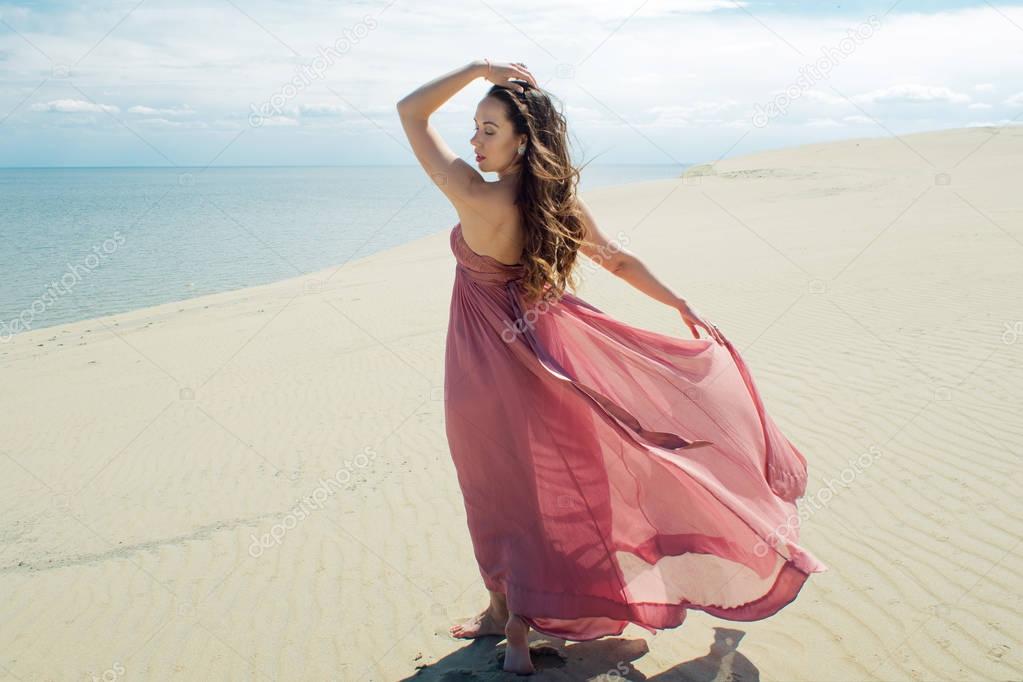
(548, 183)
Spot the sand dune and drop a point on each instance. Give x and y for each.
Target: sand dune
(256, 484)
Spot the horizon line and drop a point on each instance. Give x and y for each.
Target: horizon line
(317, 165)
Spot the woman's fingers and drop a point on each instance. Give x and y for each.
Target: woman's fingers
(718, 335)
(713, 332)
(521, 88)
(526, 73)
(518, 71)
(692, 321)
(688, 320)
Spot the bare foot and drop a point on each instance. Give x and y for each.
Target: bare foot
(516, 653)
(485, 623)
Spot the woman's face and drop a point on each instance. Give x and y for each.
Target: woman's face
(494, 140)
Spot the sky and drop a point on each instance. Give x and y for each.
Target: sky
(233, 82)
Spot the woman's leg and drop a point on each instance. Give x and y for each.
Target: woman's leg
(516, 652)
(490, 621)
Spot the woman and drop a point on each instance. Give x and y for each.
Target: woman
(610, 474)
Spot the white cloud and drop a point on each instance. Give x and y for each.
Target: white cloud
(167, 123)
(283, 121)
(325, 109)
(74, 106)
(697, 113)
(149, 111)
(676, 65)
(822, 96)
(913, 94)
(1005, 122)
(608, 10)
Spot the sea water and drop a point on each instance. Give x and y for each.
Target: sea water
(79, 243)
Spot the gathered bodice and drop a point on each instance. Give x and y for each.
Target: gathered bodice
(480, 268)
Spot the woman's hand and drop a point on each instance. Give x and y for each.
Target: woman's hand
(499, 74)
(692, 319)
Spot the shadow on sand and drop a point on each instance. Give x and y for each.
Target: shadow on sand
(601, 660)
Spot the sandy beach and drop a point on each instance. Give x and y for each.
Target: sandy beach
(256, 484)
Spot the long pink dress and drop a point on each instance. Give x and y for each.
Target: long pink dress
(569, 431)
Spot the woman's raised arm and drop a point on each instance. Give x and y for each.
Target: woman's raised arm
(428, 98)
(452, 175)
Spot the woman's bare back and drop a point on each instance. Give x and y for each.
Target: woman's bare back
(494, 227)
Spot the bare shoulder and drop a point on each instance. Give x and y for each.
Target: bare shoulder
(491, 222)
(488, 211)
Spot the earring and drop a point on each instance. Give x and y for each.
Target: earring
(522, 149)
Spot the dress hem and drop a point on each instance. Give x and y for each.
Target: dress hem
(786, 587)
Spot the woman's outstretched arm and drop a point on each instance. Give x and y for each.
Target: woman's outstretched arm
(624, 264)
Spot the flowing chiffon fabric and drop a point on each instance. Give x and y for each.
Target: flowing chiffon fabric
(590, 500)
